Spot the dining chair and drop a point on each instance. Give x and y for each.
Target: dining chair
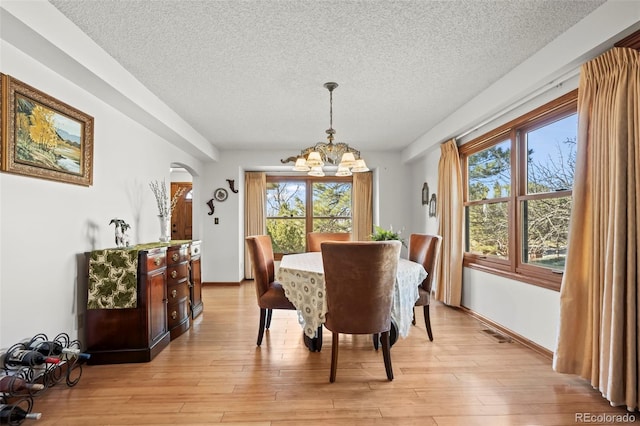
(317, 238)
(359, 281)
(424, 249)
(269, 291)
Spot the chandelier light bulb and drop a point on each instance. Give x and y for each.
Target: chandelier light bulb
(343, 171)
(360, 166)
(348, 160)
(301, 165)
(314, 160)
(316, 171)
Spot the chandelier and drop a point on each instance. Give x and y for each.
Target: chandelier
(314, 158)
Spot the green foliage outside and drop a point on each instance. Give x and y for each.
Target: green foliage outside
(545, 220)
(286, 212)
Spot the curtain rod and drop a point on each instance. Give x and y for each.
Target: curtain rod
(552, 84)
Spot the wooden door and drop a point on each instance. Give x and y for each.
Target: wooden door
(181, 216)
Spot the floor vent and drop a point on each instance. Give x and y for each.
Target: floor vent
(501, 338)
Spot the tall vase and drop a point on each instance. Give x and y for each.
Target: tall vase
(165, 228)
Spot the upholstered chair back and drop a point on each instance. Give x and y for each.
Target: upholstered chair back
(424, 249)
(359, 281)
(261, 253)
(316, 238)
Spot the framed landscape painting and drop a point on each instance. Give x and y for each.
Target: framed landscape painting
(44, 137)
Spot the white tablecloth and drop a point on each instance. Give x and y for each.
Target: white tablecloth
(302, 277)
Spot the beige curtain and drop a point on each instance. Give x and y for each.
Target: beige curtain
(450, 226)
(362, 206)
(255, 212)
(599, 317)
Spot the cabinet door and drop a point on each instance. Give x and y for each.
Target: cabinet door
(196, 287)
(156, 285)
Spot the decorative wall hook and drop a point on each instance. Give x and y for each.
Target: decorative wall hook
(232, 185)
(432, 206)
(211, 207)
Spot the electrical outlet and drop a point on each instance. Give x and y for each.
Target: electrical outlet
(216, 221)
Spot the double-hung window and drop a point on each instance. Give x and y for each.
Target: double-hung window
(518, 180)
(299, 205)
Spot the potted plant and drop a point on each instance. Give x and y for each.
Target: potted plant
(381, 234)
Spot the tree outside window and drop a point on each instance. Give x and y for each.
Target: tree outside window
(297, 206)
(551, 156)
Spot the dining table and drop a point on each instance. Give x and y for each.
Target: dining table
(302, 277)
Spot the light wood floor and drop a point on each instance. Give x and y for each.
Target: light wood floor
(214, 373)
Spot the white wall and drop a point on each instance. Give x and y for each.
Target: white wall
(45, 226)
(180, 175)
(529, 310)
(224, 243)
(424, 169)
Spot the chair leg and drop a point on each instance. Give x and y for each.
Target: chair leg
(413, 321)
(427, 322)
(269, 312)
(386, 354)
(376, 340)
(334, 358)
(263, 314)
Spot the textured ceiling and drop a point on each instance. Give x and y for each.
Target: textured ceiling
(250, 74)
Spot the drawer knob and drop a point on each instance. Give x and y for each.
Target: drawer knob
(175, 257)
(157, 261)
(174, 314)
(174, 274)
(174, 292)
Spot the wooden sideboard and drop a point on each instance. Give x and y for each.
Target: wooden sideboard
(140, 299)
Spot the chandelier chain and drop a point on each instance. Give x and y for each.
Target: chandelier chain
(330, 131)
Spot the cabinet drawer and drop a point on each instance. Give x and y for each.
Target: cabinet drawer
(152, 261)
(177, 313)
(177, 254)
(177, 273)
(177, 292)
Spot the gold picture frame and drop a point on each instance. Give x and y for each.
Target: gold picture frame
(43, 137)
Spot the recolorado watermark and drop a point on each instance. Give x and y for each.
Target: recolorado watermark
(607, 418)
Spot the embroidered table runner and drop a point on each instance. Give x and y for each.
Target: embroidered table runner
(113, 279)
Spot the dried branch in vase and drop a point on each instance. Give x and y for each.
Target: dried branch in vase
(159, 189)
(175, 198)
(162, 197)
